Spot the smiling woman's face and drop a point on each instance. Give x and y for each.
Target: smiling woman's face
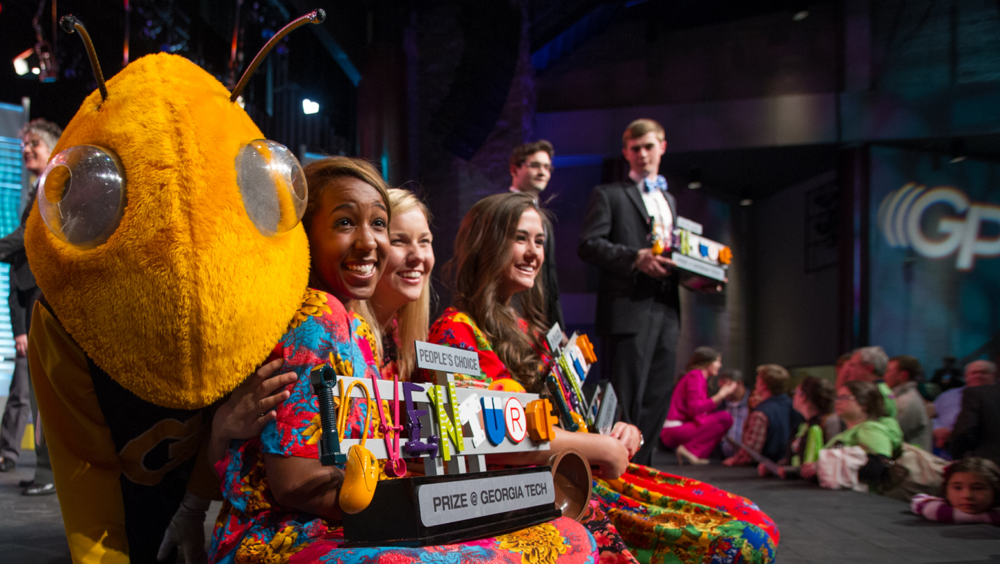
(348, 240)
(409, 263)
(528, 253)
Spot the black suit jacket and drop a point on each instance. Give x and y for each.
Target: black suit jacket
(977, 429)
(616, 226)
(22, 281)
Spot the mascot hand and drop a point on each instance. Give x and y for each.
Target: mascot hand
(249, 407)
(187, 531)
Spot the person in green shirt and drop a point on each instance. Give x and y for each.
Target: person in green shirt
(861, 406)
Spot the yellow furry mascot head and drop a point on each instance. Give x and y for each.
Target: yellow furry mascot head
(166, 234)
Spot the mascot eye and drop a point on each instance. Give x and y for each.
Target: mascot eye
(273, 186)
(82, 195)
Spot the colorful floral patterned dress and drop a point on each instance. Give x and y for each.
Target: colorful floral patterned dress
(253, 528)
(645, 514)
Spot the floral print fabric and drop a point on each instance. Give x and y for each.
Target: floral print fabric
(253, 527)
(456, 329)
(646, 515)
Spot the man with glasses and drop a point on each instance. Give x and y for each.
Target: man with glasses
(38, 138)
(530, 172)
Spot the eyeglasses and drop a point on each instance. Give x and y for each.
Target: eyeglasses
(845, 398)
(30, 143)
(535, 165)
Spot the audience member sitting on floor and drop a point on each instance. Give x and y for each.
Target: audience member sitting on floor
(694, 426)
(948, 405)
(861, 407)
(738, 405)
(977, 429)
(971, 494)
(868, 364)
(769, 428)
(813, 400)
(902, 376)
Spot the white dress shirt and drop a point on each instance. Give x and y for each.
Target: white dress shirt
(657, 207)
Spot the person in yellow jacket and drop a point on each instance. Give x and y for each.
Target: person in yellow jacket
(167, 244)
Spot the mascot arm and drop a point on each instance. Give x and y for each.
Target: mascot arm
(84, 459)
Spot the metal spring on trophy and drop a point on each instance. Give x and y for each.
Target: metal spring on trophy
(323, 381)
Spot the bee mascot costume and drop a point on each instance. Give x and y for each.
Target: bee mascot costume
(168, 275)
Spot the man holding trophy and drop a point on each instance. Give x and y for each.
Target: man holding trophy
(628, 234)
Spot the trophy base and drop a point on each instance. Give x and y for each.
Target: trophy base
(436, 510)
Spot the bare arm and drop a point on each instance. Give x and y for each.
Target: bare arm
(305, 484)
(604, 451)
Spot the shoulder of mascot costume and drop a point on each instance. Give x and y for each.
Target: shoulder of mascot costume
(180, 291)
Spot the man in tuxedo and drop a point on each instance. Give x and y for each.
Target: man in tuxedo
(530, 172)
(38, 138)
(638, 301)
(977, 429)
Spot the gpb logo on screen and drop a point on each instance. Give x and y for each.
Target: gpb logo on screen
(900, 217)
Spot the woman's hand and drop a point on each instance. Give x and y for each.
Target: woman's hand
(808, 470)
(611, 458)
(723, 393)
(628, 435)
(249, 408)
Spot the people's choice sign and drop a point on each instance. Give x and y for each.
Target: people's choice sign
(901, 220)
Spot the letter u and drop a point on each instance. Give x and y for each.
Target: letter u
(496, 429)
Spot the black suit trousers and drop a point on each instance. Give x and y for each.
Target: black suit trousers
(643, 372)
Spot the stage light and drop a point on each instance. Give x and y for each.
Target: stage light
(694, 179)
(746, 202)
(958, 151)
(38, 61)
(22, 64)
(309, 107)
(800, 15)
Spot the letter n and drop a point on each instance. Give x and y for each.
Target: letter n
(449, 427)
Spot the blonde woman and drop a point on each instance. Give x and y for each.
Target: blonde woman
(401, 303)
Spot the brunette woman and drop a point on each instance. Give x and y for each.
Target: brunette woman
(635, 509)
(694, 425)
(862, 409)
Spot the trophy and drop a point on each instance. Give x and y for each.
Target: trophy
(449, 430)
(703, 261)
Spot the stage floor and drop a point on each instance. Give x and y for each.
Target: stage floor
(817, 526)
